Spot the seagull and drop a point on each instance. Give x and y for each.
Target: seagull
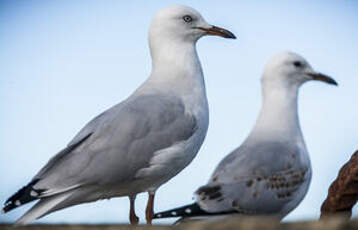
(142, 142)
(270, 173)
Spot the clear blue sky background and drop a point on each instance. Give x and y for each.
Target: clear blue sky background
(63, 62)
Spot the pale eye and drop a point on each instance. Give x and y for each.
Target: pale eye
(297, 64)
(187, 18)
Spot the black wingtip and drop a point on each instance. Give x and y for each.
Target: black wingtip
(184, 211)
(8, 207)
(191, 210)
(23, 196)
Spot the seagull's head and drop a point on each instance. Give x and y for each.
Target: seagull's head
(290, 69)
(183, 24)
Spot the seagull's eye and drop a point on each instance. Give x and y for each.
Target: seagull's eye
(297, 64)
(187, 18)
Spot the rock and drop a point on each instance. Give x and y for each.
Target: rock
(230, 223)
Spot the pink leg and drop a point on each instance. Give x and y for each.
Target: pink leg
(132, 216)
(149, 213)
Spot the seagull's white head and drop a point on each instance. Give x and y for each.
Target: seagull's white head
(183, 24)
(290, 69)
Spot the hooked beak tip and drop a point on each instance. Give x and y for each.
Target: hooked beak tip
(334, 83)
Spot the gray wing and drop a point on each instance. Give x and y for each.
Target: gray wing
(117, 144)
(260, 179)
(84, 133)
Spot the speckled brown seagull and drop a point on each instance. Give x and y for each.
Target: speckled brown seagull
(269, 174)
(142, 142)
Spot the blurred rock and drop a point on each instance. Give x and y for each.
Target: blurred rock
(231, 223)
(343, 192)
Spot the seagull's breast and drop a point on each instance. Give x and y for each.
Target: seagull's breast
(168, 162)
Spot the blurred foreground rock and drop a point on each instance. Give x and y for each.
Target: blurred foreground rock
(343, 192)
(247, 223)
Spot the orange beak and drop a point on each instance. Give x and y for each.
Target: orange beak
(217, 31)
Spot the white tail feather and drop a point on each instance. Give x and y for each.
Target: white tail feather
(43, 207)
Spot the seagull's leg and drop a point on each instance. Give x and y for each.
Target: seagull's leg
(132, 216)
(149, 213)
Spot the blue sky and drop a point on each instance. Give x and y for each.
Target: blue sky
(63, 62)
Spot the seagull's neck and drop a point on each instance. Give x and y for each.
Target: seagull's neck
(176, 70)
(278, 119)
(176, 65)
